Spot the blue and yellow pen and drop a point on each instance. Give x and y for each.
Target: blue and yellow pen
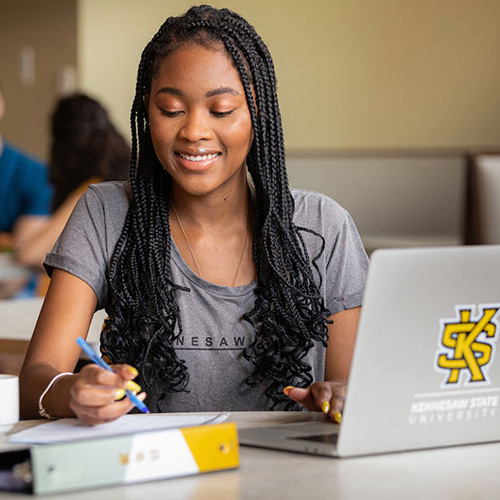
(100, 362)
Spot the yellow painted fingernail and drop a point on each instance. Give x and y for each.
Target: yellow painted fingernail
(325, 407)
(132, 386)
(119, 394)
(337, 417)
(133, 371)
(287, 389)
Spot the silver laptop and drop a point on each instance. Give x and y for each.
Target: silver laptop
(425, 371)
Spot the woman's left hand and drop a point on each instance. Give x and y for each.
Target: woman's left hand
(327, 397)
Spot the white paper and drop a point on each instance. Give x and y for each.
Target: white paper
(72, 429)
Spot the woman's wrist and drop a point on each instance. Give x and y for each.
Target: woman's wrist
(54, 401)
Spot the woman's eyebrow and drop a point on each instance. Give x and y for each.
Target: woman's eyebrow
(222, 90)
(170, 90)
(210, 93)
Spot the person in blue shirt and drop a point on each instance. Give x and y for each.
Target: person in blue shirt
(25, 198)
(25, 192)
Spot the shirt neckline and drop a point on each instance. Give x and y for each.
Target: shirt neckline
(199, 282)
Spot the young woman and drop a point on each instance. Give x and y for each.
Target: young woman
(223, 293)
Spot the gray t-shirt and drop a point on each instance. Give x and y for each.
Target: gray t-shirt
(214, 333)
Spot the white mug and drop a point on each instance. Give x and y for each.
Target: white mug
(9, 402)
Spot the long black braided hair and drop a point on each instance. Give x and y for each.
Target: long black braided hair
(289, 314)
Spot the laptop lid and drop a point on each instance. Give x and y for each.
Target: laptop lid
(424, 372)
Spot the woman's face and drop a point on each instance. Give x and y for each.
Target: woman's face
(199, 120)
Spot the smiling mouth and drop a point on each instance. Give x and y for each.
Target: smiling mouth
(198, 157)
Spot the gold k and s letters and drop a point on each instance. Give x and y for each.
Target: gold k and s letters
(468, 343)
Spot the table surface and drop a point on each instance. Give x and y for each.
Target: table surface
(18, 319)
(9, 268)
(448, 473)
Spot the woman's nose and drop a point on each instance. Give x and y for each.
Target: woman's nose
(195, 127)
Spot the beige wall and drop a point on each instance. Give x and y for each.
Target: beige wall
(357, 74)
(351, 74)
(49, 28)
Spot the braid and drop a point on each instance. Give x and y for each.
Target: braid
(289, 314)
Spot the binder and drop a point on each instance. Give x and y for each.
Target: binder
(96, 463)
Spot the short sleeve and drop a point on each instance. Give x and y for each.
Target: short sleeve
(346, 267)
(335, 249)
(81, 247)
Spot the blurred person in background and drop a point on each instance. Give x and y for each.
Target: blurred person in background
(86, 149)
(25, 198)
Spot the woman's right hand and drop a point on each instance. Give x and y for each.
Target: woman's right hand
(96, 394)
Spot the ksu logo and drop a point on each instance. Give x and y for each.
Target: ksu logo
(467, 345)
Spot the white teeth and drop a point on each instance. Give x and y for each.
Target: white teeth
(198, 157)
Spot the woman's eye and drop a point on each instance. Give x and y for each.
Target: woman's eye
(220, 114)
(170, 114)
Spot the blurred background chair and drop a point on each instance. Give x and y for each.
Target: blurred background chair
(483, 199)
(397, 199)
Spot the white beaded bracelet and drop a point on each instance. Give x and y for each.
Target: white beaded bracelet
(41, 410)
